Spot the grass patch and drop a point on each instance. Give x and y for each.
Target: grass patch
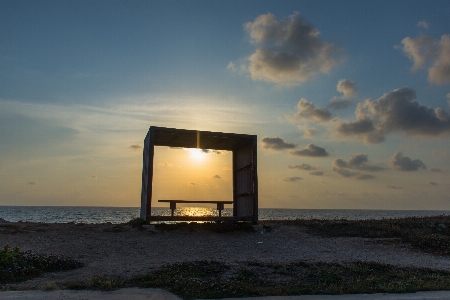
(430, 234)
(212, 279)
(16, 265)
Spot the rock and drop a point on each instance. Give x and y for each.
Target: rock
(441, 226)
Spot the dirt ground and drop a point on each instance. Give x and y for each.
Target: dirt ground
(120, 250)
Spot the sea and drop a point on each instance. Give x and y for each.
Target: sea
(119, 215)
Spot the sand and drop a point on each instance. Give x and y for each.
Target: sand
(120, 250)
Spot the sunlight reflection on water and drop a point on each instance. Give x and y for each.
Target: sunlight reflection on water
(116, 215)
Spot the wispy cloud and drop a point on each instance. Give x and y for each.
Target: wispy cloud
(316, 173)
(423, 24)
(394, 187)
(311, 150)
(292, 179)
(165, 165)
(302, 166)
(135, 147)
(276, 144)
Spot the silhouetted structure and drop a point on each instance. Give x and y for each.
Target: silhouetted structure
(245, 176)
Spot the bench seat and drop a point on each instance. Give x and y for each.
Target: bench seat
(220, 204)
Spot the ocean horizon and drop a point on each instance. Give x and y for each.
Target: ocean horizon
(118, 215)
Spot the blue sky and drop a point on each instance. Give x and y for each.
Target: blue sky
(349, 99)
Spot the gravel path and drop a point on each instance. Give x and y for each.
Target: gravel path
(119, 250)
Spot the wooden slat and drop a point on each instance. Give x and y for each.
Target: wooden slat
(197, 201)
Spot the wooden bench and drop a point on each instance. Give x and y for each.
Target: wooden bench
(220, 204)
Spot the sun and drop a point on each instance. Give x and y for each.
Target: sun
(197, 154)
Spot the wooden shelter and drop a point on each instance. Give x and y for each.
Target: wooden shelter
(245, 177)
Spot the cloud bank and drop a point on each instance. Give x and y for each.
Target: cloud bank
(289, 50)
(394, 111)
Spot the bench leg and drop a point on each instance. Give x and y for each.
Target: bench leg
(173, 206)
(220, 206)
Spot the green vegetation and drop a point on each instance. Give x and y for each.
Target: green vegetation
(429, 234)
(212, 279)
(136, 222)
(16, 265)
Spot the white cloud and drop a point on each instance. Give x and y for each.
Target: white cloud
(276, 144)
(423, 24)
(289, 50)
(400, 162)
(307, 110)
(346, 87)
(432, 53)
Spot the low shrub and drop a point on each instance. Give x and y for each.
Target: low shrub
(16, 265)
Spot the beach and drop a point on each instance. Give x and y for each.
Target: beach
(119, 250)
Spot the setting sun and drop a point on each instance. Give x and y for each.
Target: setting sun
(197, 154)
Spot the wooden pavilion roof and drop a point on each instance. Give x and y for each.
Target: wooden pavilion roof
(184, 138)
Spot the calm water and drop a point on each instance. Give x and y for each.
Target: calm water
(77, 214)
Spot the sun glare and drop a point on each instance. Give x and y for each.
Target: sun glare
(197, 154)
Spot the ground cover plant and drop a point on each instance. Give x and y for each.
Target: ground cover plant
(16, 265)
(212, 279)
(429, 234)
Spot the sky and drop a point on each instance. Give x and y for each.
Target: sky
(349, 100)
